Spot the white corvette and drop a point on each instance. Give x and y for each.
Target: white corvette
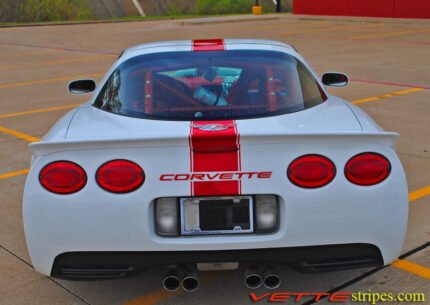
(211, 153)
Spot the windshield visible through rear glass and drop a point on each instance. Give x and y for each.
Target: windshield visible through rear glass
(216, 85)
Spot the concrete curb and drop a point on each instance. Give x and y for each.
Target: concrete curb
(229, 20)
(81, 22)
(182, 20)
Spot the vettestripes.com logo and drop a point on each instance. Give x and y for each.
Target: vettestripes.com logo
(339, 297)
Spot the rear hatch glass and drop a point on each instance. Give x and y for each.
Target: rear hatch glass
(216, 85)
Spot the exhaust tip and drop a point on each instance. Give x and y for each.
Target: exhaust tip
(190, 284)
(253, 281)
(272, 281)
(171, 281)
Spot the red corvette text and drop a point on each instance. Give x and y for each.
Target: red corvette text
(212, 176)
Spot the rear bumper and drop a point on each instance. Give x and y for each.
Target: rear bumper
(105, 265)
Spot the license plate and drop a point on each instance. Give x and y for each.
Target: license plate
(216, 215)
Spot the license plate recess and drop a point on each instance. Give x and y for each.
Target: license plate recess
(216, 215)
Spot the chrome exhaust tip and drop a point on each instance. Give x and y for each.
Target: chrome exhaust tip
(172, 280)
(271, 278)
(253, 278)
(190, 283)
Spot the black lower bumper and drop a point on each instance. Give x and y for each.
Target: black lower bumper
(104, 265)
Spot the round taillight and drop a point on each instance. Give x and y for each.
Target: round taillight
(120, 176)
(367, 169)
(311, 171)
(63, 177)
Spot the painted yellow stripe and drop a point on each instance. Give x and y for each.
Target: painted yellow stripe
(13, 174)
(388, 95)
(18, 134)
(331, 29)
(41, 110)
(418, 194)
(154, 297)
(54, 62)
(389, 34)
(413, 268)
(47, 81)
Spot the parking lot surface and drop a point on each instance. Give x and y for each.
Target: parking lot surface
(387, 61)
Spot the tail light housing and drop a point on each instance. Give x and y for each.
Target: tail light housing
(63, 177)
(311, 171)
(120, 176)
(367, 169)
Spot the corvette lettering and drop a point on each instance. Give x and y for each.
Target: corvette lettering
(216, 176)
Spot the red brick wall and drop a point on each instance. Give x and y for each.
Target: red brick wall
(368, 8)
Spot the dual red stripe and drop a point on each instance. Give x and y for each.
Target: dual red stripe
(215, 147)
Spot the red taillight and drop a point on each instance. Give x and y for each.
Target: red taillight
(63, 177)
(367, 169)
(120, 176)
(311, 171)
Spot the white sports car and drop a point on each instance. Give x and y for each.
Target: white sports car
(209, 154)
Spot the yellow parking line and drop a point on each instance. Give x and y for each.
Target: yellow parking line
(9, 115)
(53, 62)
(379, 97)
(153, 298)
(50, 80)
(418, 194)
(18, 134)
(330, 29)
(389, 34)
(13, 174)
(413, 268)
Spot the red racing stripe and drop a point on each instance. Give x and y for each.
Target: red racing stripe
(215, 147)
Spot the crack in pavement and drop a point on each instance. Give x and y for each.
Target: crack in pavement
(49, 278)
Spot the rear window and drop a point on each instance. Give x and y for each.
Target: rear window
(213, 85)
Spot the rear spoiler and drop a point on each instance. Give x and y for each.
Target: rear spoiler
(381, 138)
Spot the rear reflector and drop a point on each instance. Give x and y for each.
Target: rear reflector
(311, 171)
(120, 176)
(202, 45)
(63, 177)
(367, 169)
(266, 213)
